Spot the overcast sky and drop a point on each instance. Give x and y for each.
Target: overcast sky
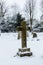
(21, 3)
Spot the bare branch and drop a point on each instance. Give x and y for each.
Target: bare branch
(29, 9)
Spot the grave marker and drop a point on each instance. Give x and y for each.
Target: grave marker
(24, 51)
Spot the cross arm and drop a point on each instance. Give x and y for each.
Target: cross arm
(19, 28)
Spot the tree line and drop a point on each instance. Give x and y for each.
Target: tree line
(9, 22)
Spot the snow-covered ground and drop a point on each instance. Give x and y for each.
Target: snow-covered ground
(9, 45)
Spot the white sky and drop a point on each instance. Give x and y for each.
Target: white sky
(21, 3)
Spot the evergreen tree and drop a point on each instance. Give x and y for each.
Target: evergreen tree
(19, 19)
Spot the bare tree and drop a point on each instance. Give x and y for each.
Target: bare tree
(3, 9)
(42, 6)
(29, 10)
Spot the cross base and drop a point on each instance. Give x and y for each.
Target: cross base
(24, 52)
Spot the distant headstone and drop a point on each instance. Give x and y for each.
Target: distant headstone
(34, 34)
(24, 51)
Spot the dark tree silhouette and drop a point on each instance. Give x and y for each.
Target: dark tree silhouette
(19, 19)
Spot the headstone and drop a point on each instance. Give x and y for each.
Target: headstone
(24, 51)
(34, 35)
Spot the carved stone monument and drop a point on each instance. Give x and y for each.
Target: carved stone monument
(24, 51)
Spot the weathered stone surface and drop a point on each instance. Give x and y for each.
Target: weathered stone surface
(24, 52)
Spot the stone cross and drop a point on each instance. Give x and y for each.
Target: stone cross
(24, 51)
(22, 28)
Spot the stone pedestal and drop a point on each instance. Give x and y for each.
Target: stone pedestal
(24, 52)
